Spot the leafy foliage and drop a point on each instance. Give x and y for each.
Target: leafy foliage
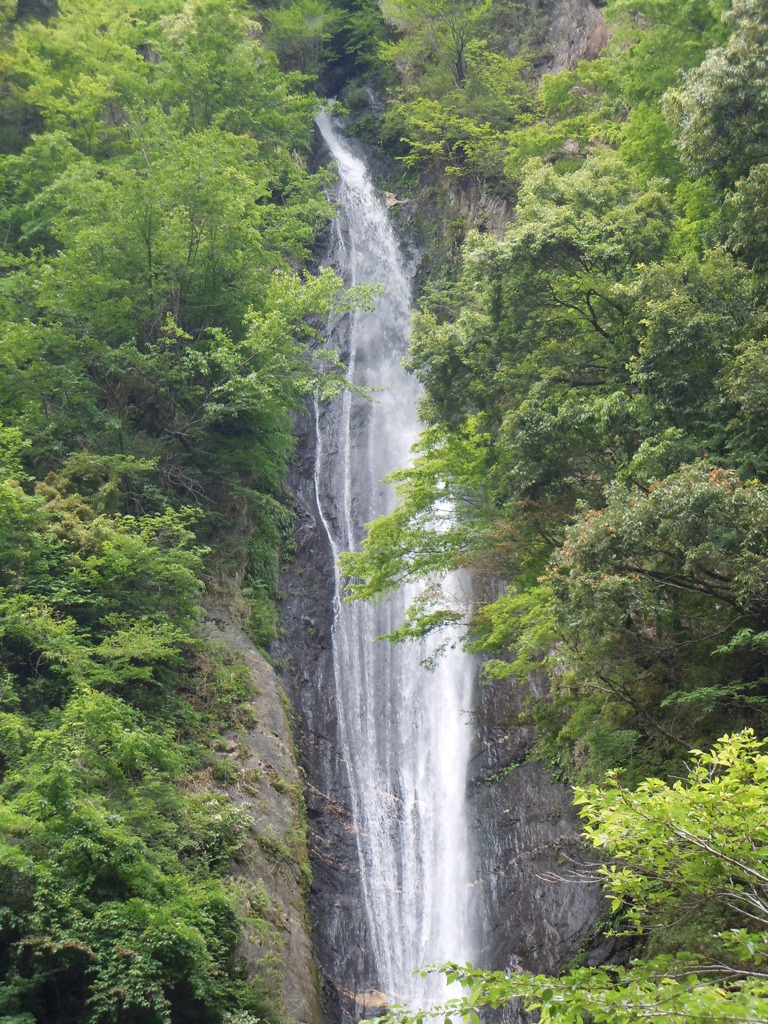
(113, 903)
(594, 457)
(460, 89)
(301, 32)
(158, 329)
(150, 299)
(721, 108)
(671, 849)
(594, 396)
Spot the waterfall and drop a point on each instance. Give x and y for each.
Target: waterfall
(404, 732)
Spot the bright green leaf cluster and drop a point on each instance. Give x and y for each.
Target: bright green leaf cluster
(670, 848)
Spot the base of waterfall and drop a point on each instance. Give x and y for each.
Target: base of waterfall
(365, 1002)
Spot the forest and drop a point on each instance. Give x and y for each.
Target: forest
(594, 455)
(158, 221)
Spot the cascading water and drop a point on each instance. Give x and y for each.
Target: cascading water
(404, 733)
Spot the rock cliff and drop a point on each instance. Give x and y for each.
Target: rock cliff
(538, 916)
(527, 829)
(272, 870)
(576, 30)
(341, 938)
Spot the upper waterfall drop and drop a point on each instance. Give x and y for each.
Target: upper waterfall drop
(404, 733)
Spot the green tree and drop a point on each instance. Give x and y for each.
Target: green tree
(215, 65)
(721, 110)
(657, 604)
(363, 32)
(151, 304)
(460, 89)
(435, 33)
(113, 904)
(696, 846)
(80, 70)
(301, 33)
(103, 919)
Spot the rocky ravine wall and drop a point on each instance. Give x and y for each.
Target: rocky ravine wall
(576, 31)
(272, 869)
(305, 649)
(528, 832)
(527, 828)
(538, 916)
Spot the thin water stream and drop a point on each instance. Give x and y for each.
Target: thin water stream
(404, 733)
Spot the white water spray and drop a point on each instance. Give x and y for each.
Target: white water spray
(404, 732)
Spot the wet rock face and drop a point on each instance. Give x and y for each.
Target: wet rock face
(527, 829)
(529, 839)
(341, 938)
(305, 651)
(475, 203)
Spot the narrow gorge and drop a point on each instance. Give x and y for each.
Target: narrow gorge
(416, 858)
(482, 344)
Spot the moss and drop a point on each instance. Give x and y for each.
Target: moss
(275, 848)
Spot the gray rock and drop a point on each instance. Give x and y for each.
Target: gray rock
(271, 868)
(577, 31)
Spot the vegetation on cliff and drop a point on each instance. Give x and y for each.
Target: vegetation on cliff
(594, 455)
(594, 401)
(156, 314)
